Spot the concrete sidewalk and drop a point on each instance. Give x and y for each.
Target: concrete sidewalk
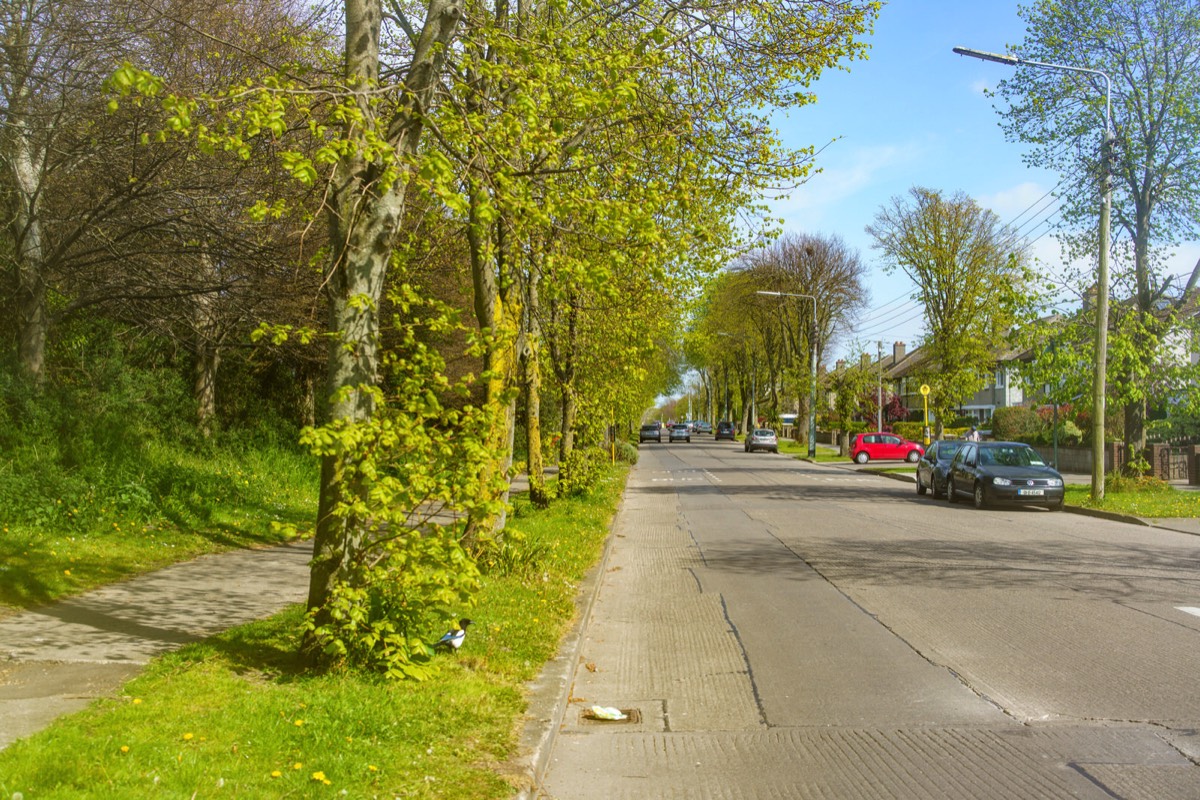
(56, 659)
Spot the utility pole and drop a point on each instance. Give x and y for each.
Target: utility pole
(879, 405)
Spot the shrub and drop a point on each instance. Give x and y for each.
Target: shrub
(1016, 423)
(913, 431)
(627, 453)
(580, 471)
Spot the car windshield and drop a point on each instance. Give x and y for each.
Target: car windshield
(1010, 457)
(764, 432)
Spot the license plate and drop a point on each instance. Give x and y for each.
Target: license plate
(1031, 492)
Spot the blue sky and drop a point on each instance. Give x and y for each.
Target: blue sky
(914, 114)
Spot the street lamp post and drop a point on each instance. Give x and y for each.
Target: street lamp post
(1099, 378)
(812, 388)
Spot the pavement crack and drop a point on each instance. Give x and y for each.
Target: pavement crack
(758, 701)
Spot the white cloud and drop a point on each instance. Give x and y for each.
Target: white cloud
(816, 202)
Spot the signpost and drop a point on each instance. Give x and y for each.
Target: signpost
(925, 397)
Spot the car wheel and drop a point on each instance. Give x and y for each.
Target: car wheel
(1056, 506)
(979, 498)
(775, 450)
(862, 457)
(920, 486)
(913, 457)
(950, 494)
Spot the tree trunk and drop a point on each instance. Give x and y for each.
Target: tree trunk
(563, 349)
(33, 321)
(206, 328)
(363, 215)
(531, 369)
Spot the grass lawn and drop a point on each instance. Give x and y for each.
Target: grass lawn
(234, 716)
(215, 503)
(1147, 502)
(824, 455)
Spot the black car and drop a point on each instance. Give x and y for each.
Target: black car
(933, 466)
(726, 430)
(650, 432)
(1003, 472)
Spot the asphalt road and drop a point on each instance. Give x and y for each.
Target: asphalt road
(782, 629)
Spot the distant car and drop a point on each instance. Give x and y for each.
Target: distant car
(726, 430)
(880, 446)
(680, 433)
(932, 468)
(1003, 472)
(704, 427)
(762, 439)
(650, 432)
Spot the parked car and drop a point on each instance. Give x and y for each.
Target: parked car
(762, 439)
(1003, 472)
(726, 430)
(932, 468)
(650, 432)
(680, 433)
(704, 427)
(881, 446)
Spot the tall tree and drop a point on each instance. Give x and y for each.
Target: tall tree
(1151, 51)
(970, 277)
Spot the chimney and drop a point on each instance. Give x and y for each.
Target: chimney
(897, 352)
(841, 364)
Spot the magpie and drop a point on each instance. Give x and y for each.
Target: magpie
(454, 637)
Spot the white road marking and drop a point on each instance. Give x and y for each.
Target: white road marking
(1195, 612)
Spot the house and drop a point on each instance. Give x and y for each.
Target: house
(999, 391)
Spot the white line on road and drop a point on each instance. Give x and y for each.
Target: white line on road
(1195, 612)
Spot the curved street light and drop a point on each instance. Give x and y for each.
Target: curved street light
(1099, 377)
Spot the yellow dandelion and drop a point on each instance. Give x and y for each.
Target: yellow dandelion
(124, 748)
(297, 765)
(299, 722)
(66, 572)
(318, 776)
(137, 701)
(276, 774)
(372, 768)
(187, 737)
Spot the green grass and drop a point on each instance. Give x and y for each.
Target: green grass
(233, 716)
(1153, 501)
(195, 504)
(824, 455)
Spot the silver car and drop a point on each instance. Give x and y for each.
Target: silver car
(762, 439)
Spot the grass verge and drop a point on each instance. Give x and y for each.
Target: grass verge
(202, 503)
(824, 455)
(233, 716)
(1151, 501)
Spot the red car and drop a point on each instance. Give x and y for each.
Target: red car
(883, 446)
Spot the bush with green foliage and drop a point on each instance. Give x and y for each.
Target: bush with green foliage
(580, 471)
(1016, 424)
(627, 453)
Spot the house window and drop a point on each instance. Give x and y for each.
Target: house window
(1000, 378)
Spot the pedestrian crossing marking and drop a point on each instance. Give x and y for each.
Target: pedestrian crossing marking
(1195, 612)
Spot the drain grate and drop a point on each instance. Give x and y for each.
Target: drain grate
(632, 716)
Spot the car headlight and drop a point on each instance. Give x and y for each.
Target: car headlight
(1054, 482)
(1001, 481)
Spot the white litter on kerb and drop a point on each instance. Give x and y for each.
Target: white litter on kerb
(1195, 612)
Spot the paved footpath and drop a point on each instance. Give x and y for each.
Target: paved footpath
(56, 659)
